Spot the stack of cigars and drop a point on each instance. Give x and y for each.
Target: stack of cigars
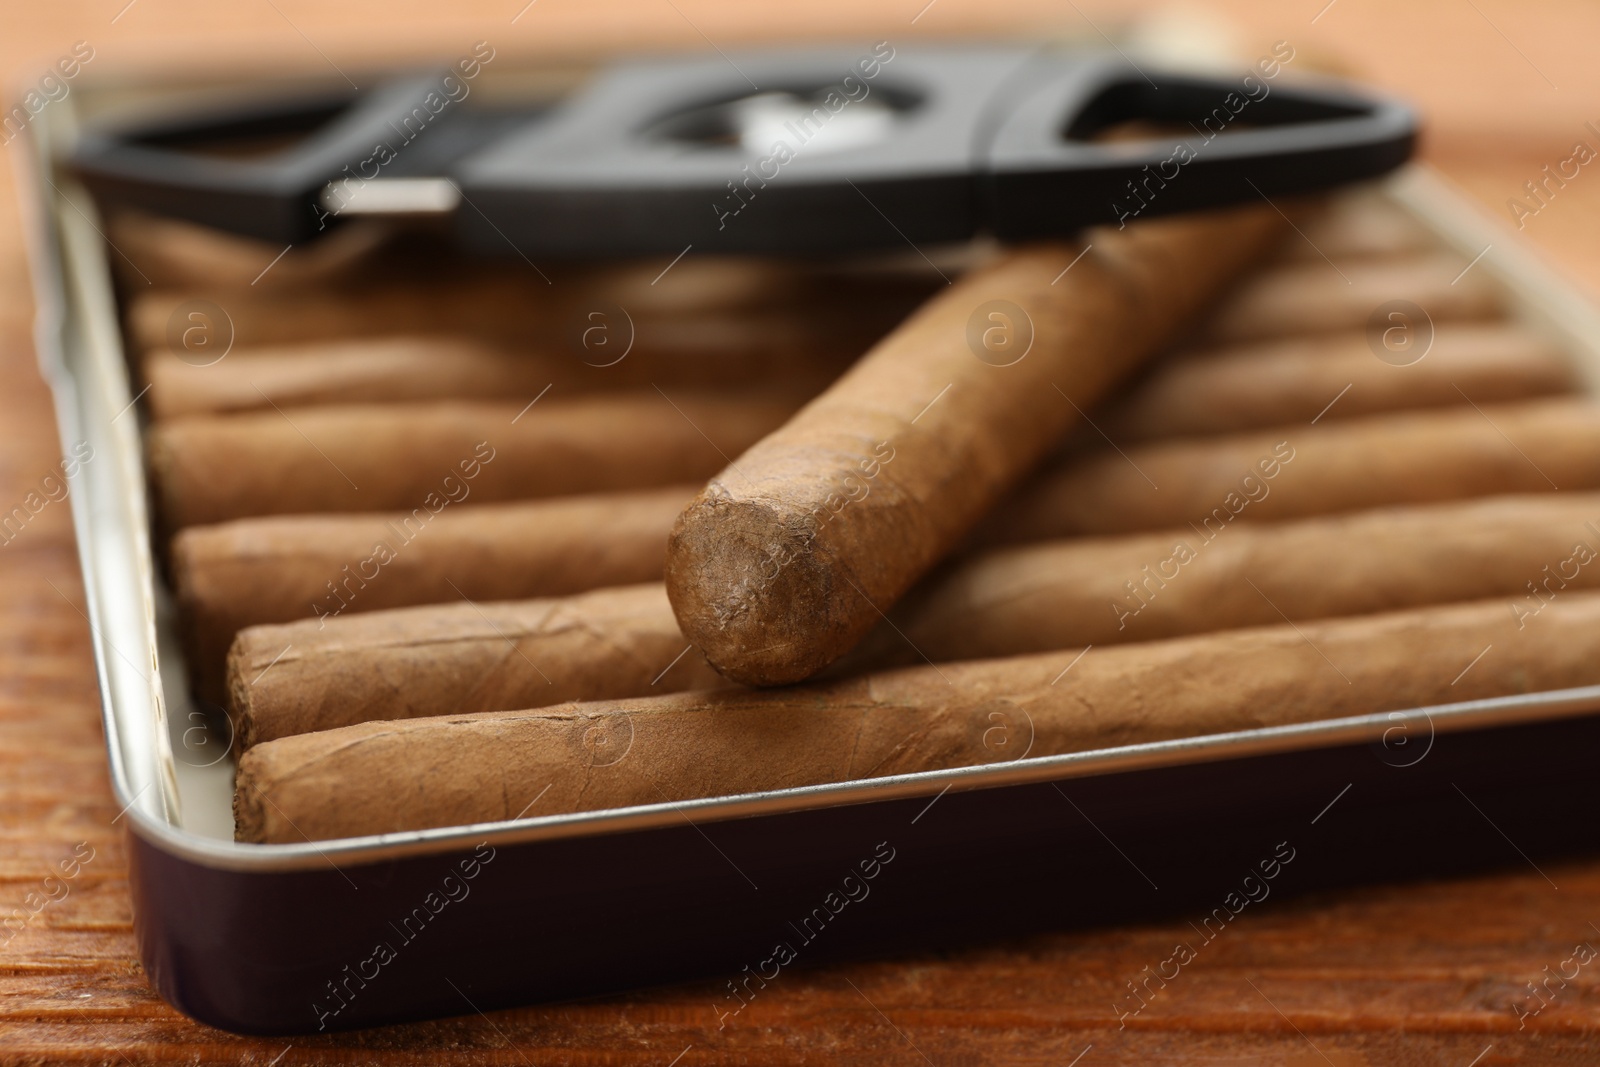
(446, 559)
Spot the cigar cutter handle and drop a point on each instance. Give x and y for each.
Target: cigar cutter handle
(1226, 140)
(286, 167)
(795, 151)
(837, 150)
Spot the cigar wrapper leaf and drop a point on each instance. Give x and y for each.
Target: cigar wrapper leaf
(1333, 378)
(1318, 297)
(210, 469)
(606, 352)
(1297, 471)
(452, 658)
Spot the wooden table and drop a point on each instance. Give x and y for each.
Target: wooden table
(1420, 973)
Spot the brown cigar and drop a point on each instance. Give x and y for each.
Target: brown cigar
(1357, 226)
(362, 255)
(155, 253)
(1318, 296)
(446, 659)
(1337, 376)
(612, 353)
(1298, 471)
(318, 567)
(449, 659)
(491, 300)
(493, 305)
(384, 457)
(383, 777)
(1099, 591)
(790, 554)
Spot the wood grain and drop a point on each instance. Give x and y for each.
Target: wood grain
(1423, 973)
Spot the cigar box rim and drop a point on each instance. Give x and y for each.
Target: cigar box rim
(76, 333)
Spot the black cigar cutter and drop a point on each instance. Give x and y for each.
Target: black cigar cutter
(813, 150)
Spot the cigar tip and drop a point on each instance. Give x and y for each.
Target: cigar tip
(241, 706)
(249, 815)
(753, 589)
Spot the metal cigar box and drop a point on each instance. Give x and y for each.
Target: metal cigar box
(283, 939)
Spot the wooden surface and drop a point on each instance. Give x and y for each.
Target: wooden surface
(1422, 974)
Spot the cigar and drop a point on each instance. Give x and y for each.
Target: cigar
(491, 300)
(385, 777)
(610, 353)
(172, 253)
(506, 305)
(1299, 471)
(382, 457)
(1337, 376)
(788, 556)
(447, 659)
(1319, 297)
(1358, 226)
(321, 567)
(1101, 591)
